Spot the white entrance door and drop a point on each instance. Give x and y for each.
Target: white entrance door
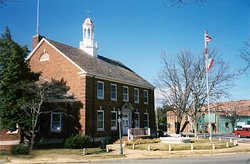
(125, 124)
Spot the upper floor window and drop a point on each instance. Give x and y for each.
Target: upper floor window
(113, 92)
(136, 95)
(100, 90)
(125, 94)
(113, 120)
(44, 57)
(56, 122)
(145, 96)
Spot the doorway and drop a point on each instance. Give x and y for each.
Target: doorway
(125, 124)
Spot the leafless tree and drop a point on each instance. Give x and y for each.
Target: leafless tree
(233, 115)
(245, 55)
(39, 93)
(2, 2)
(183, 84)
(169, 3)
(174, 83)
(220, 80)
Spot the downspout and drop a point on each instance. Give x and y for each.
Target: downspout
(93, 108)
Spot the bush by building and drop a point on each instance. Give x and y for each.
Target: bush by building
(77, 142)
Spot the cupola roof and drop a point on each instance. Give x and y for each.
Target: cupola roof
(88, 21)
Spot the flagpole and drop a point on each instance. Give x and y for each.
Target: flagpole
(209, 117)
(37, 17)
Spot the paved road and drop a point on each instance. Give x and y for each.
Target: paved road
(227, 159)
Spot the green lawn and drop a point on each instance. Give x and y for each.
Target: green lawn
(200, 144)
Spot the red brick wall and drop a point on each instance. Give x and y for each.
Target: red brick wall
(5, 136)
(5, 147)
(172, 118)
(58, 67)
(108, 105)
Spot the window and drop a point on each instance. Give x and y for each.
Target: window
(88, 35)
(100, 120)
(85, 33)
(113, 92)
(146, 121)
(227, 125)
(137, 120)
(136, 95)
(113, 120)
(44, 57)
(145, 96)
(56, 122)
(125, 94)
(100, 90)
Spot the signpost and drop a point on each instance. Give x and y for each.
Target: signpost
(120, 130)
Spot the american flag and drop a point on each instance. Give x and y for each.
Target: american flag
(207, 37)
(210, 63)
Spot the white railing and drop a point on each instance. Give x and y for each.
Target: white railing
(138, 132)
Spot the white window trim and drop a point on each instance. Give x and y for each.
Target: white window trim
(51, 121)
(138, 100)
(113, 99)
(145, 102)
(44, 57)
(114, 127)
(100, 97)
(102, 128)
(127, 100)
(147, 120)
(138, 120)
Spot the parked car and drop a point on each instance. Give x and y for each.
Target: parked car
(242, 131)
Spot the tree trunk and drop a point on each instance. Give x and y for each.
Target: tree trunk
(32, 139)
(184, 126)
(21, 135)
(233, 125)
(178, 127)
(195, 128)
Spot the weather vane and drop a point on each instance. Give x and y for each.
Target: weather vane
(88, 13)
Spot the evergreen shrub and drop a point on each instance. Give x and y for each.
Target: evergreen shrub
(77, 142)
(20, 149)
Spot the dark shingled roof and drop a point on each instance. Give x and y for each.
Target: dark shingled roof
(101, 66)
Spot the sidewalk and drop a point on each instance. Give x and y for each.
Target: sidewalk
(128, 154)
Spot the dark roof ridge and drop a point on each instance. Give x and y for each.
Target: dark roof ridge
(115, 62)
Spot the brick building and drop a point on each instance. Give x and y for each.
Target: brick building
(221, 117)
(103, 85)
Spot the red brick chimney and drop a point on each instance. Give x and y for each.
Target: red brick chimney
(35, 40)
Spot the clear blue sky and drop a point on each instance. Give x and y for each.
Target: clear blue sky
(138, 31)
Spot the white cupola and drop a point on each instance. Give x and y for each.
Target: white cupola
(88, 45)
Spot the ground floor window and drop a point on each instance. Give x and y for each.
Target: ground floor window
(100, 120)
(137, 120)
(227, 125)
(113, 120)
(146, 120)
(56, 122)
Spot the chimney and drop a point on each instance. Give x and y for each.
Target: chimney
(35, 40)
